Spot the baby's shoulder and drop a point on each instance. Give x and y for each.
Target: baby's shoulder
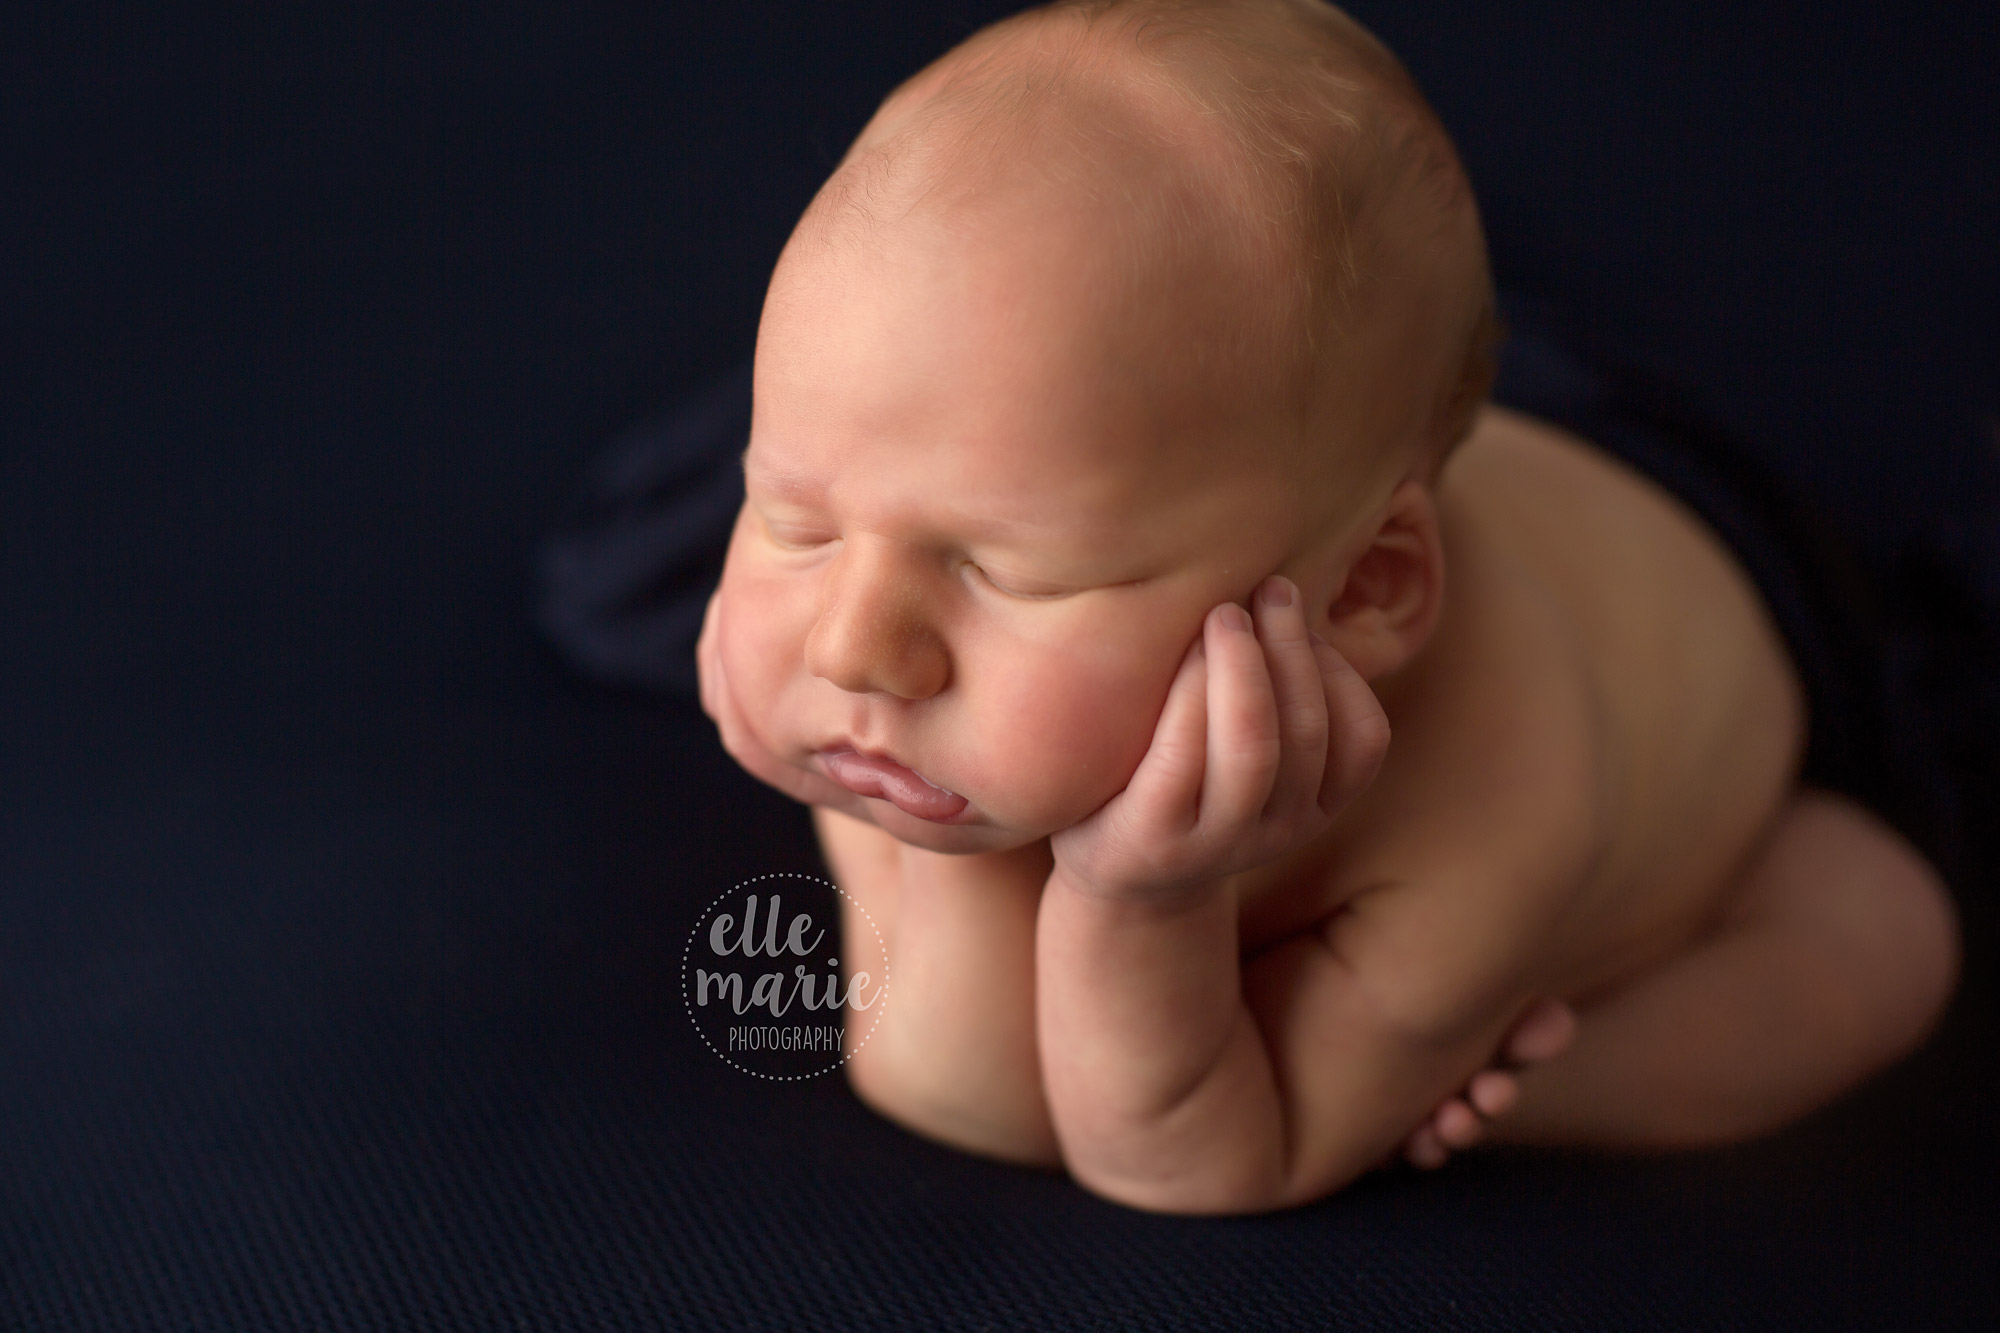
(1602, 688)
(1446, 913)
(1461, 862)
(1504, 755)
(1454, 871)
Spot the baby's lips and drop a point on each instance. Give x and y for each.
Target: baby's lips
(885, 779)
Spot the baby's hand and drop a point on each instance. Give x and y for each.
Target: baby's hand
(1266, 734)
(1543, 1033)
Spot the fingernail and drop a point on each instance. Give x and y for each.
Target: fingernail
(1275, 591)
(1235, 617)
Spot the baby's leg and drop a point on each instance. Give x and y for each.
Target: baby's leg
(1836, 961)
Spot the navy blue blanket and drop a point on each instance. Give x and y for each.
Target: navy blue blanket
(339, 974)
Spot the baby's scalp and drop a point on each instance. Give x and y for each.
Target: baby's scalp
(1273, 144)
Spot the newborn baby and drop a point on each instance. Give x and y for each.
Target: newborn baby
(1252, 747)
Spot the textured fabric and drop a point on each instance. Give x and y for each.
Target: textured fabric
(626, 576)
(293, 1041)
(339, 920)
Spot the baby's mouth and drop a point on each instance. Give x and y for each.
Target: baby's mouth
(885, 779)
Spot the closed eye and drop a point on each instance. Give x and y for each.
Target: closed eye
(793, 537)
(1023, 591)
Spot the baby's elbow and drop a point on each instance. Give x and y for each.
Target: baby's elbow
(1184, 1162)
(1184, 1189)
(1011, 1128)
(1225, 1186)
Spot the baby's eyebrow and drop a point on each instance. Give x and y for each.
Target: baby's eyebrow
(789, 485)
(801, 487)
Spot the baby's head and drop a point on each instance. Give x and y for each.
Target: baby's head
(1116, 310)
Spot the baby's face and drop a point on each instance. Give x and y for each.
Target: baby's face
(991, 496)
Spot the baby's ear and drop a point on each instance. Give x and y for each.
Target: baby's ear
(1388, 604)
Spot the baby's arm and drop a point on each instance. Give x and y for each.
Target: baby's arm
(953, 1055)
(1178, 1078)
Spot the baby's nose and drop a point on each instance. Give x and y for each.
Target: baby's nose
(875, 631)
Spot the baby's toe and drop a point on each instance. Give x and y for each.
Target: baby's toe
(1457, 1125)
(1492, 1092)
(1425, 1151)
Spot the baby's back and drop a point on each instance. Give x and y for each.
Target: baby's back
(1601, 728)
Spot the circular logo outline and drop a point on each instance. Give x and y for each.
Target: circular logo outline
(881, 997)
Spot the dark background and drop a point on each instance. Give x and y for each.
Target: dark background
(337, 919)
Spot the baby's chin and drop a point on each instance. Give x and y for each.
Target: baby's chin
(975, 835)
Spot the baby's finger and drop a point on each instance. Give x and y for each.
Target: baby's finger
(1424, 1150)
(1300, 695)
(1457, 1125)
(1492, 1092)
(1242, 724)
(1358, 730)
(1166, 786)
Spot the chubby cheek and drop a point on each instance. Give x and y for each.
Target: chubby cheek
(763, 627)
(1066, 736)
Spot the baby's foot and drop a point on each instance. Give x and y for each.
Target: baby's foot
(1543, 1033)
